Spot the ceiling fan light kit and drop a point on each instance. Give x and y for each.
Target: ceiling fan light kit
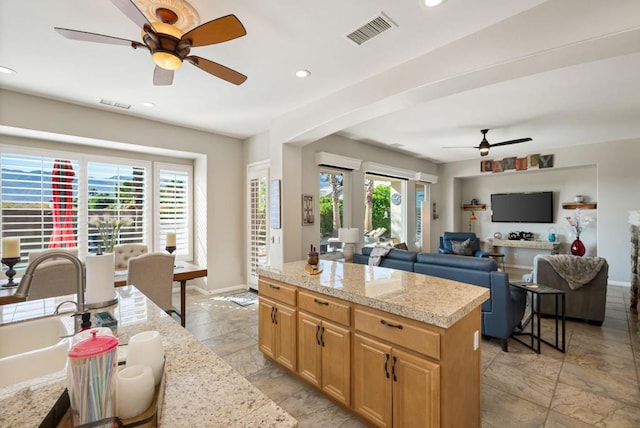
(167, 43)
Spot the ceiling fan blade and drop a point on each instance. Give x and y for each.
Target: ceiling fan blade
(219, 30)
(97, 38)
(218, 70)
(505, 143)
(129, 8)
(162, 76)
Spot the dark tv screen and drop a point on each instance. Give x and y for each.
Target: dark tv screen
(533, 207)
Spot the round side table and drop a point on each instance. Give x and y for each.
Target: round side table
(499, 258)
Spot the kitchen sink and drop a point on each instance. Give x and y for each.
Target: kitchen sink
(29, 349)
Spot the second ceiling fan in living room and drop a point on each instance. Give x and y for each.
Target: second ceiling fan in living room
(485, 145)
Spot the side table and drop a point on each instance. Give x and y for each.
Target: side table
(499, 258)
(537, 292)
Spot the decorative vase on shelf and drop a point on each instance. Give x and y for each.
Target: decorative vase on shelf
(577, 247)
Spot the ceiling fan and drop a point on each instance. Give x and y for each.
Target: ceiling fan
(168, 46)
(485, 146)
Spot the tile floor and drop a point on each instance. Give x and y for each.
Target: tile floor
(595, 384)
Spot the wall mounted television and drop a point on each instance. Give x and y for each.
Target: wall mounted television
(529, 207)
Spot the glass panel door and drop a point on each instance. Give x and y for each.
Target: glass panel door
(258, 239)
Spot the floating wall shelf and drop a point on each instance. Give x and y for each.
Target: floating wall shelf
(476, 207)
(579, 205)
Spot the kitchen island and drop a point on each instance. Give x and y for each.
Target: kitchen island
(201, 389)
(397, 348)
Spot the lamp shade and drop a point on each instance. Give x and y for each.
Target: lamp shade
(349, 235)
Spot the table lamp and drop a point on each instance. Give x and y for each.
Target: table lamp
(350, 236)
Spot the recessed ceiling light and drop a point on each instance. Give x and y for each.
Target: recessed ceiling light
(303, 73)
(433, 3)
(148, 104)
(6, 70)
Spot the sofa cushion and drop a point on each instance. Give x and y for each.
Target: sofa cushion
(394, 254)
(475, 263)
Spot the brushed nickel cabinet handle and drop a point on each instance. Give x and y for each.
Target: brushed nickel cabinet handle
(388, 324)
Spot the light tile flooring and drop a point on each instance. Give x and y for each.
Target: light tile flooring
(595, 384)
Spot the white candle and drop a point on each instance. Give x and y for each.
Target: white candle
(10, 247)
(171, 239)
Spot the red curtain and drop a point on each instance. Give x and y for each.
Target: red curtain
(62, 189)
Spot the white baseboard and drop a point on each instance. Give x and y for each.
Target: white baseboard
(621, 283)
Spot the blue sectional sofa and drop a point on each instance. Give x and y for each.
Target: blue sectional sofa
(504, 310)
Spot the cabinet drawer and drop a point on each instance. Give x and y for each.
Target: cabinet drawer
(398, 331)
(326, 307)
(277, 290)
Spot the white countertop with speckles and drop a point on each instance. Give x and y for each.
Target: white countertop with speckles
(436, 301)
(201, 389)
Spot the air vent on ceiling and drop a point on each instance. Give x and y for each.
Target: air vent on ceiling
(371, 29)
(113, 103)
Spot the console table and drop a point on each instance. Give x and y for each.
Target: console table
(534, 245)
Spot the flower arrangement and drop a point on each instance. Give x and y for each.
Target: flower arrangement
(578, 222)
(109, 229)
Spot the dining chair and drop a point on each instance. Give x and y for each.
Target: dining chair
(152, 274)
(52, 278)
(123, 252)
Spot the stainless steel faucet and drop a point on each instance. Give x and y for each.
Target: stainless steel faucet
(27, 277)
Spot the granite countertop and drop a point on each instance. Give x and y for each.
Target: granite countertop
(201, 388)
(436, 301)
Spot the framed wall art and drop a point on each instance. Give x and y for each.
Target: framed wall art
(307, 210)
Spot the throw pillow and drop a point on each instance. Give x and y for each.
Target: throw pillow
(401, 246)
(461, 248)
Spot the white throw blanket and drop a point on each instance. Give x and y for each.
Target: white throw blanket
(577, 271)
(377, 253)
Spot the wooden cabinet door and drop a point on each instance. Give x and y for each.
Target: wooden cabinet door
(416, 391)
(336, 361)
(266, 327)
(309, 349)
(285, 336)
(372, 389)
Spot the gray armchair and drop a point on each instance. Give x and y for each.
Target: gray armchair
(588, 301)
(452, 243)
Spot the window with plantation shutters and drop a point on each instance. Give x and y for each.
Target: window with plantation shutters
(116, 193)
(39, 200)
(173, 213)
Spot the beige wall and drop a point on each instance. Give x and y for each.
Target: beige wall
(218, 168)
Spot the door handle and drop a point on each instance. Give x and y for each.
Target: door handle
(320, 302)
(393, 369)
(322, 337)
(275, 287)
(386, 363)
(318, 334)
(275, 315)
(273, 321)
(388, 324)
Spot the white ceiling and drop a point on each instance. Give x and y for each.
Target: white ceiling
(563, 72)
